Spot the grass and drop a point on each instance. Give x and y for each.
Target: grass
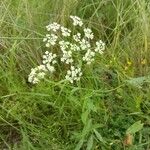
(94, 114)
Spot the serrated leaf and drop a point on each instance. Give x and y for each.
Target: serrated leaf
(90, 143)
(137, 126)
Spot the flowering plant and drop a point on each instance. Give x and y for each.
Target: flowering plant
(70, 46)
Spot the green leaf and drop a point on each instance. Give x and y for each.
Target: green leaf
(87, 128)
(79, 145)
(137, 126)
(91, 105)
(98, 135)
(138, 82)
(90, 143)
(84, 116)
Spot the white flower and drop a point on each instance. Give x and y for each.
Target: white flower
(50, 68)
(65, 31)
(84, 44)
(37, 74)
(41, 75)
(70, 47)
(67, 57)
(76, 21)
(40, 71)
(89, 56)
(32, 75)
(74, 47)
(100, 46)
(74, 74)
(50, 39)
(53, 26)
(41, 68)
(88, 33)
(49, 57)
(49, 61)
(77, 37)
(64, 45)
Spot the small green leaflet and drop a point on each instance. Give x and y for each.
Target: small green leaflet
(137, 126)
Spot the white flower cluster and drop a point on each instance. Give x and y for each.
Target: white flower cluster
(37, 74)
(84, 44)
(100, 46)
(69, 47)
(49, 61)
(50, 39)
(65, 31)
(88, 33)
(64, 45)
(74, 47)
(53, 27)
(67, 54)
(77, 37)
(67, 57)
(76, 21)
(40, 71)
(89, 56)
(74, 74)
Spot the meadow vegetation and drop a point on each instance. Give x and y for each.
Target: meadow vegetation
(108, 109)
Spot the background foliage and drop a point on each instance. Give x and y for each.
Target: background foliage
(108, 109)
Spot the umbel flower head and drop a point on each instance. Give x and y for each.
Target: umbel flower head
(37, 74)
(50, 39)
(69, 46)
(73, 74)
(76, 21)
